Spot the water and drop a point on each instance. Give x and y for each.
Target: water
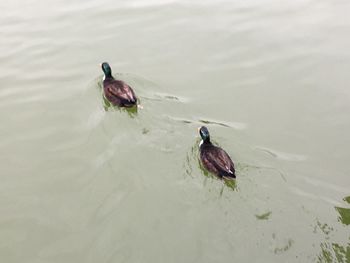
(80, 183)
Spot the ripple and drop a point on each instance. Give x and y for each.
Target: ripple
(314, 197)
(95, 119)
(327, 185)
(283, 155)
(166, 97)
(226, 124)
(108, 153)
(234, 125)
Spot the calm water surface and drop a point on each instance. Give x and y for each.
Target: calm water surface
(80, 182)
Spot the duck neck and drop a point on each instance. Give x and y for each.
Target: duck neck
(107, 76)
(206, 141)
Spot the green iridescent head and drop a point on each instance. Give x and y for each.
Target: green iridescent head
(106, 69)
(204, 133)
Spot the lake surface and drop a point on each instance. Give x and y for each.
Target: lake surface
(81, 182)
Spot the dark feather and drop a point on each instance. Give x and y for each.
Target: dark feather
(216, 160)
(119, 93)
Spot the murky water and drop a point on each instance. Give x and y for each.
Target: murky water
(81, 182)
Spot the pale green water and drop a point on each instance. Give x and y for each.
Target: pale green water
(79, 184)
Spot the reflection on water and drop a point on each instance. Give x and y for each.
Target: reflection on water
(264, 216)
(288, 245)
(332, 251)
(344, 215)
(347, 199)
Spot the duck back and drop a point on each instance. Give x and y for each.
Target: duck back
(216, 160)
(119, 93)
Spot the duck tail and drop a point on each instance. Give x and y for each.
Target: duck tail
(229, 175)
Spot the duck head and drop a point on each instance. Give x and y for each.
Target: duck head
(204, 133)
(106, 69)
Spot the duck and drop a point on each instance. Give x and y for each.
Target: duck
(116, 91)
(214, 158)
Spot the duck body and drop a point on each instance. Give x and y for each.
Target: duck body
(214, 158)
(119, 93)
(116, 91)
